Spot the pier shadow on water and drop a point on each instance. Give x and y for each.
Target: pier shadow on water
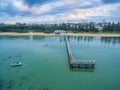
(81, 70)
(88, 39)
(110, 40)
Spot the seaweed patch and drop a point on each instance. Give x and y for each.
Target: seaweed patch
(21, 83)
(30, 88)
(23, 77)
(11, 83)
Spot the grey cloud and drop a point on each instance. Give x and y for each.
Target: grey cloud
(111, 1)
(38, 2)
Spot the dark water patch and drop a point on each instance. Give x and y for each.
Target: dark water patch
(7, 58)
(31, 87)
(38, 38)
(32, 74)
(10, 57)
(6, 37)
(17, 70)
(46, 89)
(46, 45)
(21, 83)
(1, 63)
(1, 84)
(17, 56)
(24, 77)
(10, 84)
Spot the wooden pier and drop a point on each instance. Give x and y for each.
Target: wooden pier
(77, 63)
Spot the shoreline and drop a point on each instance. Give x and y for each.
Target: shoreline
(94, 34)
(52, 34)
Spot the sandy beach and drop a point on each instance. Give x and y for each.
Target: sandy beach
(52, 34)
(25, 34)
(93, 34)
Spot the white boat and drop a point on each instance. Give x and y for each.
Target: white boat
(15, 64)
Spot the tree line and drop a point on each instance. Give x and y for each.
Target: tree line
(69, 27)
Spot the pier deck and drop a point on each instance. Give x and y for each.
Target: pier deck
(77, 63)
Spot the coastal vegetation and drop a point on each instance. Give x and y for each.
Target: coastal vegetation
(113, 27)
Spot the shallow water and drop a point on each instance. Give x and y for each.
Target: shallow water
(45, 63)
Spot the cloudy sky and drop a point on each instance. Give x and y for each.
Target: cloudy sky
(58, 11)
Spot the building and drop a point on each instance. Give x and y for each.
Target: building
(99, 27)
(60, 32)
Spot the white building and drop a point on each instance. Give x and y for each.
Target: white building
(60, 32)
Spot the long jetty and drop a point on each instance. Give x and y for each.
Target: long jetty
(77, 63)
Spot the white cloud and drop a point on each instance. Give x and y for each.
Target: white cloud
(19, 5)
(46, 7)
(3, 4)
(105, 10)
(63, 4)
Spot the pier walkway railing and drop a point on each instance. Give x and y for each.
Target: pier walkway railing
(77, 63)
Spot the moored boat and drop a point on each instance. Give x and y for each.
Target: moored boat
(15, 64)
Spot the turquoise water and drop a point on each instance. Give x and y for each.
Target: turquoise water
(45, 63)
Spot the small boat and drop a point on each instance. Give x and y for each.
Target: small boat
(16, 64)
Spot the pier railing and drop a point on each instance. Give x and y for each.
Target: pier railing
(77, 63)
